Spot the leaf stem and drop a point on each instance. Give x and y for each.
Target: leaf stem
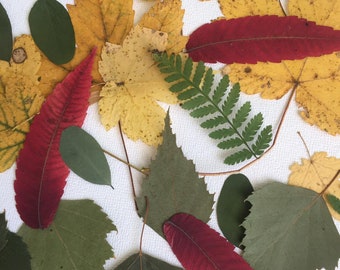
(330, 183)
(142, 233)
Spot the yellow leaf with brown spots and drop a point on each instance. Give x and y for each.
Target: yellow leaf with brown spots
(315, 79)
(134, 85)
(167, 16)
(315, 174)
(20, 98)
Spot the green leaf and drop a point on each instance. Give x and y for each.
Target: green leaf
(6, 41)
(52, 30)
(334, 202)
(232, 209)
(75, 240)
(145, 262)
(290, 228)
(13, 251)
(173, 186)
(84, 156)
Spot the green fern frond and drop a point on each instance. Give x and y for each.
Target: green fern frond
(193, 83)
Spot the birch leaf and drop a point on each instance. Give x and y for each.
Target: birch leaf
(134, 85)
(167, 16)
(315, 174)
(316, 80)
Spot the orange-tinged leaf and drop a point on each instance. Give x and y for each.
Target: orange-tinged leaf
(167, 16)
(315, 174)
(134, 85)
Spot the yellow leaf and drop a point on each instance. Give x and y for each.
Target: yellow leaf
(134, 85)
(315, 174)
(96, 22)
(316, 80)
(20, 98)
(167, 16)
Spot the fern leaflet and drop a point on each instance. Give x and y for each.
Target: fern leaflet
(217, 107)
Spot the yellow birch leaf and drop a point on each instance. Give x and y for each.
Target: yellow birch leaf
(167, 16)
(134, 85)
(20, 98)
(96, 22)
(315, 174)
(315, 79)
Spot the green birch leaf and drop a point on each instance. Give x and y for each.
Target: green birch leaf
(334, 202)
(13, 251)
(290, 228)
(84, 156)
(173, 186)
(6, 40)
(146, 262)
(232, 207)
(75, 240)
(52, 30)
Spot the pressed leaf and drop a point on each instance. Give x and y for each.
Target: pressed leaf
(144, 261)
(6, 42)
(290, 228)
(52, 30)
(84, 156)
(198, 247)
(232, 207)
(173, 186)
(75, 240)
(334, 202)
(41, 172)
(13, 251)
(271, 38)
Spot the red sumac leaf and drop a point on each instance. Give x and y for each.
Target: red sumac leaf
(198, 247)
(261, 38)
(41, 173)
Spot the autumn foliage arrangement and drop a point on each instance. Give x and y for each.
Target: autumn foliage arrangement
(47, 84)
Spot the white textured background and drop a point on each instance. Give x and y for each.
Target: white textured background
(196, 145)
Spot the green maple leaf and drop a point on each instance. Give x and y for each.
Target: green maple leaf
(173, 186)
(13, 251)
(75, 240)
(290, 228)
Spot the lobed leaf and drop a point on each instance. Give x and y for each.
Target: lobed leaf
(6, 43)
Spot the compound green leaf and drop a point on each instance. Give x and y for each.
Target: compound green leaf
(290, 228)
(173, 186)
(75, 240)
(84, 156)
(6, 42)
(232, 207)
(52, 30)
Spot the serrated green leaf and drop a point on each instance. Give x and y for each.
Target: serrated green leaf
(252, 127)
(208, 81)
(334, 202)
(290, 228)
(194, 102)
(179, 86)
(178, 62)
(84, 156)
(222, 133)
(75, 240)
(238, 157)
(199, 72)
(263, 140)
(6, 42)
(173, 186)
(232, 207)
(230, 143)
(13, 251)
(203, 111)
(241, 115)
(220, 89)
(232, 99)
(52, 30)
(188, 68)
(145, 262)
(190, 93)
(173, 77)
(214, 122)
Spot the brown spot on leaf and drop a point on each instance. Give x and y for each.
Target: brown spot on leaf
(19, 55)
(247, 70)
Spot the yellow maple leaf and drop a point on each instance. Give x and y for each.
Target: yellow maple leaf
(167, 16)
(134, 85)
(96, 22)
(316, 80)
(20, 98)
(315, 174)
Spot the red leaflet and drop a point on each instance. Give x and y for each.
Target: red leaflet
(41, 172)
(266, 38)
(198, 247)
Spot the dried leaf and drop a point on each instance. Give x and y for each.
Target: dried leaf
(75, 240)
(134, 85)
(334, 202)
(6, 35)
(167, 16)
(198, 247)
(290, 228)
(41, 172)
(173, 186)
(96, 22)
(315, 174)
(317, 80)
